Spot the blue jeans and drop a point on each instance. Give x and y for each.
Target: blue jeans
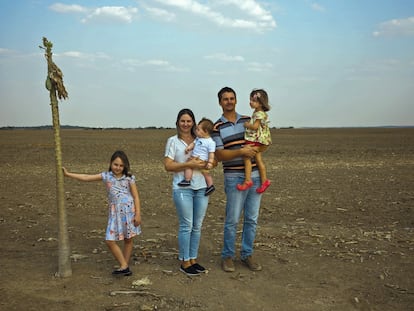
(191, 206)
(237, 201)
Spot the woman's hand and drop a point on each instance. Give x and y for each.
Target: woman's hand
(195, 163)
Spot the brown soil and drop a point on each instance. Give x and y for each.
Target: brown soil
(336, 230)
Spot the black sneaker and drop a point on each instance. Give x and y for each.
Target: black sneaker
(199, 268)
(122, 272)
(210, 190)
(184, 183)
(190, 271)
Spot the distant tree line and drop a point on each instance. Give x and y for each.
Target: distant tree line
(71, 127)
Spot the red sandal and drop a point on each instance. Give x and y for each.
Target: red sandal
(263, 187)
(246, 185)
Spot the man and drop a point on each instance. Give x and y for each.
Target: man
(229, 137)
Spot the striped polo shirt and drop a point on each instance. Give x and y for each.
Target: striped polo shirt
(229, 135)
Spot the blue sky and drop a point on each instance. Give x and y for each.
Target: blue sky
(136, 63)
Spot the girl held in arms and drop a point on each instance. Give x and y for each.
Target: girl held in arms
(257, 134)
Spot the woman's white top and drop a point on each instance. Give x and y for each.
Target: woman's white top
(175, 150)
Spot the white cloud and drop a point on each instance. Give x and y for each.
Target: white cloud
(157, 64)
(105, 13)
(255, 10)
(6, 51)
(225, 57)
(162, 14)
(259, 67)
(260, 19)
(244, 14)
(396, 27)
(116, 13)
(66, 8)
(81, 55)
(317, 7)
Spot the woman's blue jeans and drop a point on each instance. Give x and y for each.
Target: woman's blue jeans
(191, 206)
(247, 202)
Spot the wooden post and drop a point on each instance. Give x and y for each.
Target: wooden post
(54, 84)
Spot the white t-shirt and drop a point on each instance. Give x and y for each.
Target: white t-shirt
(175, 150)
(202, 147)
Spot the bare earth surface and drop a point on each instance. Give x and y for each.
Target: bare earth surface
(336, 230)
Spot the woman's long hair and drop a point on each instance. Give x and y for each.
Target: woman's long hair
(177, 123)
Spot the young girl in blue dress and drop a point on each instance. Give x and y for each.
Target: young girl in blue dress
(124, 215)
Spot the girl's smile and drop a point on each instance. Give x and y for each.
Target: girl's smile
(117, 167)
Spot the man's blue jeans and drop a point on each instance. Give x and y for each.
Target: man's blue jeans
(247, 202)
(191, 206)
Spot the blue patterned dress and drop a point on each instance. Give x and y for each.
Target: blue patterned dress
(121, 207)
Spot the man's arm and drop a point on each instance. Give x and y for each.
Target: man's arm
(226, 155)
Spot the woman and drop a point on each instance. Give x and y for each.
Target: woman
(190, 202)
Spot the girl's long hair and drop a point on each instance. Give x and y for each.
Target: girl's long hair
(122, 155)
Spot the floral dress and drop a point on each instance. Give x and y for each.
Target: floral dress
(121, 207)
(262, 134)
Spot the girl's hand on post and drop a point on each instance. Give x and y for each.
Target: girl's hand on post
(65, 171)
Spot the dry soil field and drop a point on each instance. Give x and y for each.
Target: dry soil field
(336, 230)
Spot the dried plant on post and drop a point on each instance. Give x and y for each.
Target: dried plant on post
(54, 84)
